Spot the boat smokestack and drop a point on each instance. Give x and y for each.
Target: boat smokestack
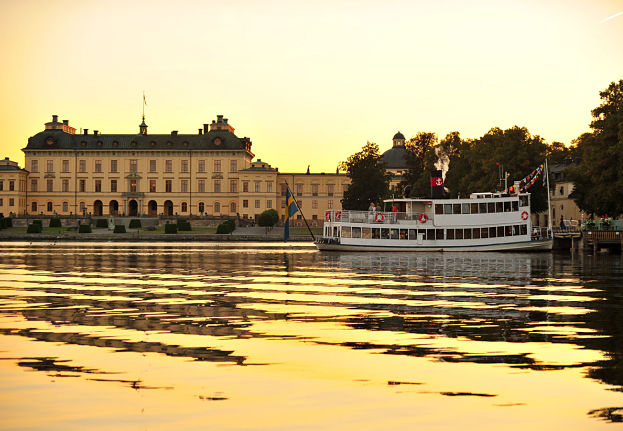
(436, 184)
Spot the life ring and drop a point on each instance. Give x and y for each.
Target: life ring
(338, 215)
(423, 218)
(524, 215)
(327, 216)
(379, 217)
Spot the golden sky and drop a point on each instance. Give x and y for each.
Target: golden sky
(308, 81)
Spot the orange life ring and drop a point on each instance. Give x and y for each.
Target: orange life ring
(379, 217)
(524, 215)
(423, 218)
(338, 215)
(327, 216)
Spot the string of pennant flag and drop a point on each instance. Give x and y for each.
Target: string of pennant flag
(529, 179)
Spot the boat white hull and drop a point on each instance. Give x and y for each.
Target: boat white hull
(538, 245)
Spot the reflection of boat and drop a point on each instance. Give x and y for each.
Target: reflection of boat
(483, 222)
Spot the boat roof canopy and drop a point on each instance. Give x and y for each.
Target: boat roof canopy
(483, 195)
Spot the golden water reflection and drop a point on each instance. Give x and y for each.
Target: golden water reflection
(266, 336)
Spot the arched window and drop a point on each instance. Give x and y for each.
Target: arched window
(201, 207)
(232, 207)
(217, 207)
(184, 207)
(49, 207)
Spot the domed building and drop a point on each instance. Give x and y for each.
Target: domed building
(395, 160)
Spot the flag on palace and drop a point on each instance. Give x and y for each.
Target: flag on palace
(291, 209)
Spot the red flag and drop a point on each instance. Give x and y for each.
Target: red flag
(436, 181)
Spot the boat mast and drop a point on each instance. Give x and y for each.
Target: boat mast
(549, 206)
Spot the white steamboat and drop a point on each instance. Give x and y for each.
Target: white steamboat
(483, 222)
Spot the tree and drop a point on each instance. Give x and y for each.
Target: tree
(268, 218)
(369, 180)
(474, 165)
(598, 178)
(421, 157)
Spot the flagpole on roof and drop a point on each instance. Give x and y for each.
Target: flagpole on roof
(299, 208)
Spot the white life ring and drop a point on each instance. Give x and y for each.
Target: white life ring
(524, 215)
(379, 217)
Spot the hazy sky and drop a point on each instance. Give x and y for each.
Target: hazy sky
(308, 81)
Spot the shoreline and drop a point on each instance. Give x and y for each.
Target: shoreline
(145, 237)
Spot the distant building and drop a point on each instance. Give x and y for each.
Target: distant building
(560, 189)
(208, 173)
(12, 188)
(395, 161)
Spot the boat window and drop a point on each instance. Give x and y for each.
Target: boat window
(515, 205)
(465, 209)
(404, 234)
(365, 232)
(376, 233)
(458, 233)
(450, 234)
(500, 231)
(467, 234)
(484, 232)
(482, 207)
(456, 208)
(356, 232)
(439, 233)
(499, 207)
(476, 233)
(412, 234)
(524, 229)
(523, 201)
(491, 207)
(438, 208)
(474, 209)
(507, 206)
(430, 234)
(336, 231)
(508, 231)
(422, 232)
(493, 232)
(394, 234)
(346, 232)
(447, 208)
(516, 230)
(384, 233)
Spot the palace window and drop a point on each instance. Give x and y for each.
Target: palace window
(217, 186)
(113, 166)
(50, 206)
(98, 166)
(168, 186)
(83, 207)
(269, 203)
(245, 186)
(233, 186)
(33, 207)
(184, 167)
(217, 207)
(258, 186)
(65, 165)
(217, 166)
(113, 186)
(50, 185)
(245, 203)
(65, 185)
(330, 204)
(314, 189)
(82, 166)
(299, 190)
(184, 207)
(152, 166)
(11, 202)
(314, 204)
(133, 165)
(34, 166)
(202, 166)
(65, 207)
(98, 186)
(201, 207)
(257, 203)
(233, 166)
(83, 186)
(232, 207)
(49, 166)
(152, 186)
(33, 185)
(168, 166)
(184, 186)
(11, 185)
(283, 189)
(269, 186)
(201, 186)
(330, 189)
(132, 186)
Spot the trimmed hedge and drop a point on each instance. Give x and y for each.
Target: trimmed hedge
(170, 228)
(3, 222)
(101, 223)
(183, 225)
(84, 228)
(135, 224)
(119, 228)
(39, 222)
(55, 222)
(34, 228)
(228, 226)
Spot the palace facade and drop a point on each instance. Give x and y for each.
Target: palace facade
(209, 173)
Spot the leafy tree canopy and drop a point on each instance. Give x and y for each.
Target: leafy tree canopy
(421, 157)
(268, 218)
(368, 176)
(598, 178)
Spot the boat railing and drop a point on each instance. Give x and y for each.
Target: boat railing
(540, 233)
(378, 217)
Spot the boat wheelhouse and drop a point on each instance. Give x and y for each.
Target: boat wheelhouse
(482, 222)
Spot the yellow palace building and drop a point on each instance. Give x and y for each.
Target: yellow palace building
(210, 173)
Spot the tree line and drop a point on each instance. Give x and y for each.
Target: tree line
(474, 165)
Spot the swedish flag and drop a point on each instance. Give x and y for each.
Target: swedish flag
(291, 209)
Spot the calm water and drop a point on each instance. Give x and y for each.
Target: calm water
(267, 336)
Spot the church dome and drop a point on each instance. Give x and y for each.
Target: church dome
(394, 158)
(399, 136)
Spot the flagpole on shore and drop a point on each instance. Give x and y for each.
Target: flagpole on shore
(299, 208)
(549, 206)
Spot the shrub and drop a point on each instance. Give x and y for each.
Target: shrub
(34, 228)
(268, 218)
(135, 224)
(55, 222)
(170, 228)
(226, 227)
(7, 222)
(119, 228)
(101, 223)
(84, 228)
(2, 223)
(37, 222)
(183, 225)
